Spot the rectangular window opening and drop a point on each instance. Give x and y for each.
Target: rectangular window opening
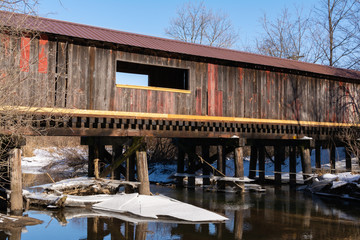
(143, 75)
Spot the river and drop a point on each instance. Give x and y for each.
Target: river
(276, 214)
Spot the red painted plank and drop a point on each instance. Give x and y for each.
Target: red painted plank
(148, 101)
(25, 54)
(43, 59)
(219, 103)
(160, 103)
(211, 89)
(165, 97)
(138, 97)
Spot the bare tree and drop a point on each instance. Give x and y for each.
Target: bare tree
(336, 32)
(198, 24)
(287, 37)
(25, 84)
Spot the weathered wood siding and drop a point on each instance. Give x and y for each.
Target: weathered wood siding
(83, 77)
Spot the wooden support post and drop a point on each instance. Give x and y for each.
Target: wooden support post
(180, 167)
(96, 168)
(129, 230)
(132, 161)
(117, 226)
(238, 224)
(94, 153)
(332, 158)
(279, 159)
(262, 164)
(142, 172)
(317, 156)
(102, 152)
(92, 228)
(16, 199)
(91, 161)
(136, 144)
(14, 234)
(130, 168)
(305, 162)
(221, 164)
(191, 164)
(141, 230)
(348, 159)
(253, 161)
(239, 162)
(205, 149)
(292, 166)
(117, 152)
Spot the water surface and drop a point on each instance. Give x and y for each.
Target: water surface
(277, 214)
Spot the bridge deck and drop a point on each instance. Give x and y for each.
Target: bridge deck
(72, 122)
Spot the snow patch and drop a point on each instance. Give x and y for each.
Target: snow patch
(157, 206)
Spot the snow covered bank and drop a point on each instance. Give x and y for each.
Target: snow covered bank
(65, 162)
(343, 185)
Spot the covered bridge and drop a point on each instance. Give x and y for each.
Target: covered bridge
(199, 94)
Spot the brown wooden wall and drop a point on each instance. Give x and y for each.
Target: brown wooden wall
(83, 77)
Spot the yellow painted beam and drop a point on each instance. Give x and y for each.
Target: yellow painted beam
(164, 116)
(153, 88)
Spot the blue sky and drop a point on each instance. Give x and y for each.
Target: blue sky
(151, 17)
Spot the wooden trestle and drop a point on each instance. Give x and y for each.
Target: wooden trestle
(125, 132)
(73, 122)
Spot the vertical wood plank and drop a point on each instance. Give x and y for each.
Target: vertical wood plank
(211, 90)
(61, 74)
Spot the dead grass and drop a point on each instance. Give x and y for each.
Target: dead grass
(37, 142)
(72, 163)
(321, 171)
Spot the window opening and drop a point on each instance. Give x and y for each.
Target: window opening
(132, 79)
(137, 74)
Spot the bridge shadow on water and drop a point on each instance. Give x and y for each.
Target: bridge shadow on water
(279, 213)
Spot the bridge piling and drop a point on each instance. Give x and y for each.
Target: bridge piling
(253, 161)
(292, 166)
(205, 150)
(262, 164)
(305, 162)
(180, 167)
(221, 165)
(348, 159)
(16, 199)
(279, 160)
(332, 158)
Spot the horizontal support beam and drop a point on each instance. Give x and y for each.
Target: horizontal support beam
(154, 133)
(282, 142)
(163, 116)
(105, 140)
(154, 88)
(231, 141)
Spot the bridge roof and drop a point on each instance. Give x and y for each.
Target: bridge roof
(76, 30)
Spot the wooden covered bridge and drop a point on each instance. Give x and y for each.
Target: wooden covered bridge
(78, 80)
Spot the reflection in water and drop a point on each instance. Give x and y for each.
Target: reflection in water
(277, 214)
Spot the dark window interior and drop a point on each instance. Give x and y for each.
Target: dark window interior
(157, 76)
